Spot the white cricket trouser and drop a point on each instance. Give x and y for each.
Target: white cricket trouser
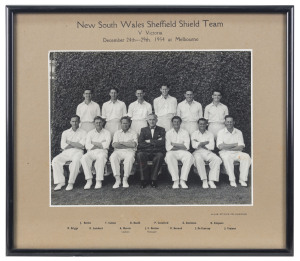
(203, 155)
(165, 121)
(136, 125)
(87, 126)
(100, 158)
(112, 126)
(117, 156)
(190, 126)
(172, 158)
(215, 127)
(58, 165)
(228, 157)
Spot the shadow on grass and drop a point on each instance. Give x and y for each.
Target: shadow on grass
(162, 195)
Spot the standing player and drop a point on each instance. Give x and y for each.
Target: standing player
(215, 114)
(190, 112)
(87, 111)
(165, 108)
(113, 111)
(138, 112)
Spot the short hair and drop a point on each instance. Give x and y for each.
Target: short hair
(99, 118)
(126, 118)
(152, 114)
(176, 117)
(75, 116)
(229, 116)
(189, 90)
(202, 119)
(164, 85)
(139, 89)
(115, 89)
(217, 91)
(88, 89)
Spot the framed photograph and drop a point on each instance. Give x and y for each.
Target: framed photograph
(150, 130)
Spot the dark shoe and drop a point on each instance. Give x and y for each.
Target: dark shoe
(144, 184)
(153, 184)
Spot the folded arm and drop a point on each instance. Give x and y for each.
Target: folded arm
(178, 146)
(118, 145)
(238, 148)
(203, 144)
(129, 144)
(161, 141)
(230, 146)
(68, 147)
(97, 145)
(76, 145)
(143, 143)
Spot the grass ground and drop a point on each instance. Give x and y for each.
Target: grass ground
(162, 195)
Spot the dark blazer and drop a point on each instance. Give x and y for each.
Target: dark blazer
(155, 145)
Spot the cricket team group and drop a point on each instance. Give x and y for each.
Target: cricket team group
(141, 134)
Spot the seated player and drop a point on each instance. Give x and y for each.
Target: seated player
(124, 144)
(203, 142)
(72, 144)
(230, 141)
(97, 144)
(177, 146)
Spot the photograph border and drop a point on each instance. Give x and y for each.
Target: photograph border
(11, 11)
(156, 51)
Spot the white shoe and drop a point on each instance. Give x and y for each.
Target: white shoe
(212, 184)
(88, 184)
(175, 184)
(59, 186)
(204, 184)
(233, 184)
(243, 183)
(98, 184)
(69, 187)
(117, 184)
(183, 184)
(125, 183)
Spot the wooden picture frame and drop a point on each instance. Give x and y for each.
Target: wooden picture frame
(23, 92)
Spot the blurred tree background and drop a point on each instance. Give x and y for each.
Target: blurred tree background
(72, 72)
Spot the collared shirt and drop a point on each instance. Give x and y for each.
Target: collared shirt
(189, 112)
(182, 136)
(202, 137)
(236, 136)
(215, 113)
(103, 137)
(87, 112)
(152, 131)
(139, 111)
(113, 110)
(164, 106)
(75, 136)
(128, 136)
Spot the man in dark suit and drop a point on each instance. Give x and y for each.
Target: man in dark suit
(151, 146)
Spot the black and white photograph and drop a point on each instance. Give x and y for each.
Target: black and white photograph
(150, 128)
